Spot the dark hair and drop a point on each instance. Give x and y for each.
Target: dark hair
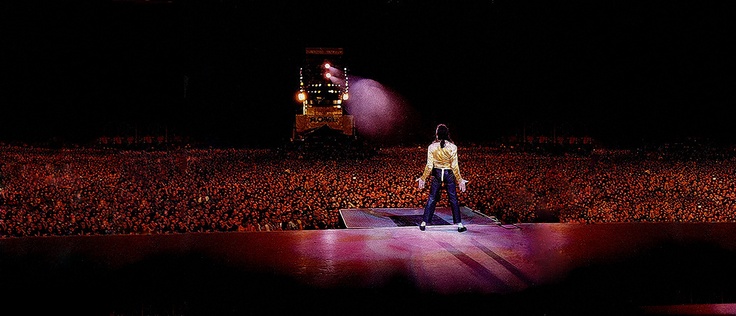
(442, 133)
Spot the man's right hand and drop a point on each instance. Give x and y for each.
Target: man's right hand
(462, 185)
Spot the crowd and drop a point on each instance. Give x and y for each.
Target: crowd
(84, 191)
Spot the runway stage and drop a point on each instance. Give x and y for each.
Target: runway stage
(382, 263)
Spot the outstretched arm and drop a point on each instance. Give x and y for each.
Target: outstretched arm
(427, 169)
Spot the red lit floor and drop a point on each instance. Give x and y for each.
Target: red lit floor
(532, 268)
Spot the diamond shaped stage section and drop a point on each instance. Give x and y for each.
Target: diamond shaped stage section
(398, 217)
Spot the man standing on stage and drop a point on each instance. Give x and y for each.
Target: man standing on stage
(442, 165)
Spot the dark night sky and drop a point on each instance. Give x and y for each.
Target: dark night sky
(620, 71)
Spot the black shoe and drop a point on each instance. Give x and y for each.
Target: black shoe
(422, 227)
(462, 229)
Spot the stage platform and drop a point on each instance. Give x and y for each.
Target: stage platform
(399, 217)
(382, 265)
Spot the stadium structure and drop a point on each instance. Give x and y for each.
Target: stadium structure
(323, 92)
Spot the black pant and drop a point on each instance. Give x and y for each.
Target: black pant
(442, 177)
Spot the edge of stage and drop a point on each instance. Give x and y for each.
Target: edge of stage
(382, 263)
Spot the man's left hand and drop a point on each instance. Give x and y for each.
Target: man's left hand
(421, 183)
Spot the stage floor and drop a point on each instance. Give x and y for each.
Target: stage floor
(399, 217)
(522, 269)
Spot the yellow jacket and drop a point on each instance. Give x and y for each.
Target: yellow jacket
(442, 158)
